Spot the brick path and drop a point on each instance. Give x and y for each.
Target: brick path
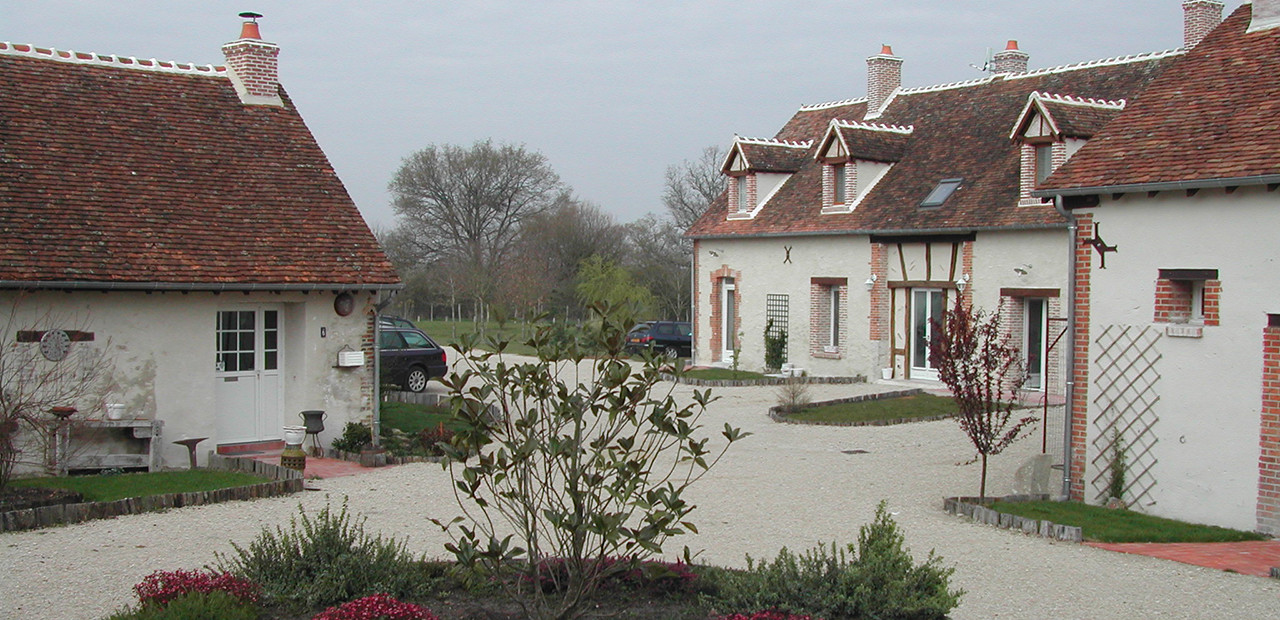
(1248, 558)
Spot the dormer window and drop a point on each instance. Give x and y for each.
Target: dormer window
(1050, 129)
(759, 167)
(743, 203)
(1044, 162)
(840, 180)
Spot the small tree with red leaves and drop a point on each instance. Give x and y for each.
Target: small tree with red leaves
(984, 372)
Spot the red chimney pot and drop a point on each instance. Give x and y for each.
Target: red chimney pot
(249, 30)
(1013, 45)
(886, 50)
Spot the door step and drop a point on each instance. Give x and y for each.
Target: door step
(250, 447)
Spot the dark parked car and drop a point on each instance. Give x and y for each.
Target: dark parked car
(410, 358)
(670, 338)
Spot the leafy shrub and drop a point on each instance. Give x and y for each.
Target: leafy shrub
(775, 346)
(161, 587)
(194, 606)
(882, 582)
(355, 436)
(326, 560)
(376, 607)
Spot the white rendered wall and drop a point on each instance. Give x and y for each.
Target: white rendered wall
(764, 272)
(163, 349)
(1210, 392)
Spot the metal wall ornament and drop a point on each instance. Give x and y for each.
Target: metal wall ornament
(344, 304)
(55, 344)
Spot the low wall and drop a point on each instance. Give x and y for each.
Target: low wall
(756, 382)
(972, 508)
(285, 481)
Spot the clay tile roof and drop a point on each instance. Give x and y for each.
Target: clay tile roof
(764, 155)
(140, 173)
(959, 130)
(1210, 116)
(869, 141)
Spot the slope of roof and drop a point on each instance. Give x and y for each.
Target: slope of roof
(765, 155)
(960, 130)
(119, 172)
(1211, 116)
(870, 141)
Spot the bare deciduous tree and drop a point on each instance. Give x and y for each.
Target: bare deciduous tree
(467, 204)
(691, 185)
(553, 244)
(659, 258)
(33, 385)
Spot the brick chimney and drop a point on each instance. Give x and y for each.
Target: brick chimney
(1198, 18)
(252, 65)
(1266, 14)
(1010, 59)
(884, 76)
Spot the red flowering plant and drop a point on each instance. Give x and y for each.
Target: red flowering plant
(160, 587)
(767, 615)
(376, 607)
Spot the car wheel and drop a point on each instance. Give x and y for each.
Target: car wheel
(416, 380)
(670, 352)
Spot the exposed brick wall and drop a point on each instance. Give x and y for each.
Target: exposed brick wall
(1268, 512)
(878, 321)
(884, 75)
(1010, 60)
(820, 291)
(1173, 301)
(966, 268)
(1079, 372)
(717, 324)
(1198, 18)
(829, 185)
(1027, 170)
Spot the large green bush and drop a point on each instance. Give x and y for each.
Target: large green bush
(881, 582)
(326, 560)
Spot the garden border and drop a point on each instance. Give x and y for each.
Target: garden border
(777, 415)
(758, 382)
(286, 481)
(972, 508)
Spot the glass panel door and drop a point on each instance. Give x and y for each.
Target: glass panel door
(1035, 338)
(927, 306)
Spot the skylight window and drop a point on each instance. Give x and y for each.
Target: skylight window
(941, 193)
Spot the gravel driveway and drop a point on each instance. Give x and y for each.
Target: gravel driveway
(785, 485)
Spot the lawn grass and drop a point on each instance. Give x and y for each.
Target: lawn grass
(514, 332)
(412, 419)
(110, 488)
(722, 374)
(902, 407)
(1101, 524)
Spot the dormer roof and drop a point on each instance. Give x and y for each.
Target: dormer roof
(865, 141)
(765, 155)
(1062, 116)
(957, 131)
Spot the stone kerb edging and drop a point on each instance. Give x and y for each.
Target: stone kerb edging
(777, 414)
(286, 481)
(969, 507)
(756, 382)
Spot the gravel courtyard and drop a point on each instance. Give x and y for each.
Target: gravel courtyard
(786, 485)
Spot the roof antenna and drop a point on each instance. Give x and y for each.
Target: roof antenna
(987, 65)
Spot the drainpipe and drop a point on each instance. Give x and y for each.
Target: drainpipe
(376, 440)
(1072, 226)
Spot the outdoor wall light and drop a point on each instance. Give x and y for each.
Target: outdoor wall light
(871, 282)
(962, 282)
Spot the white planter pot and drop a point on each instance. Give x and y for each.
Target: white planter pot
(293, 435)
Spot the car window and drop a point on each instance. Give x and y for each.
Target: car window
(666, 329)
(416, 340)
(642, 327)
(685, 328)
(391, 340)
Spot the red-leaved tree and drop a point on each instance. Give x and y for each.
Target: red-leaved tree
(984, 372)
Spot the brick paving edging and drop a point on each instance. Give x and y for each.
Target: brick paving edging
(777, 415)
(970, 507)
(286, 481)
(758, 382)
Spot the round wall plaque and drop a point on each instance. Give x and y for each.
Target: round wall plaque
(54, 345)
(344, 304)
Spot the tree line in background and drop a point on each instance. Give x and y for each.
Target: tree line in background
(490, 231)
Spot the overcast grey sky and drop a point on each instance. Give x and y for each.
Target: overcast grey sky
(611, 91)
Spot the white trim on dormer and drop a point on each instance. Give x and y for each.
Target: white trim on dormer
(866, 175)
(1033, 106)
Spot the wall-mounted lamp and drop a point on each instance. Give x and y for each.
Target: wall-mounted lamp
(871, 282)
(713, 253)
(1022, 271)
(962, 282)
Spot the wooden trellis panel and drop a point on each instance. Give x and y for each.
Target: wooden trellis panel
(1125, 400)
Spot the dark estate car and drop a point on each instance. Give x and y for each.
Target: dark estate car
(410, 357)
(670, 338)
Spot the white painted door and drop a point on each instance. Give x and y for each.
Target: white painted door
(247, 394)
(927, 305)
